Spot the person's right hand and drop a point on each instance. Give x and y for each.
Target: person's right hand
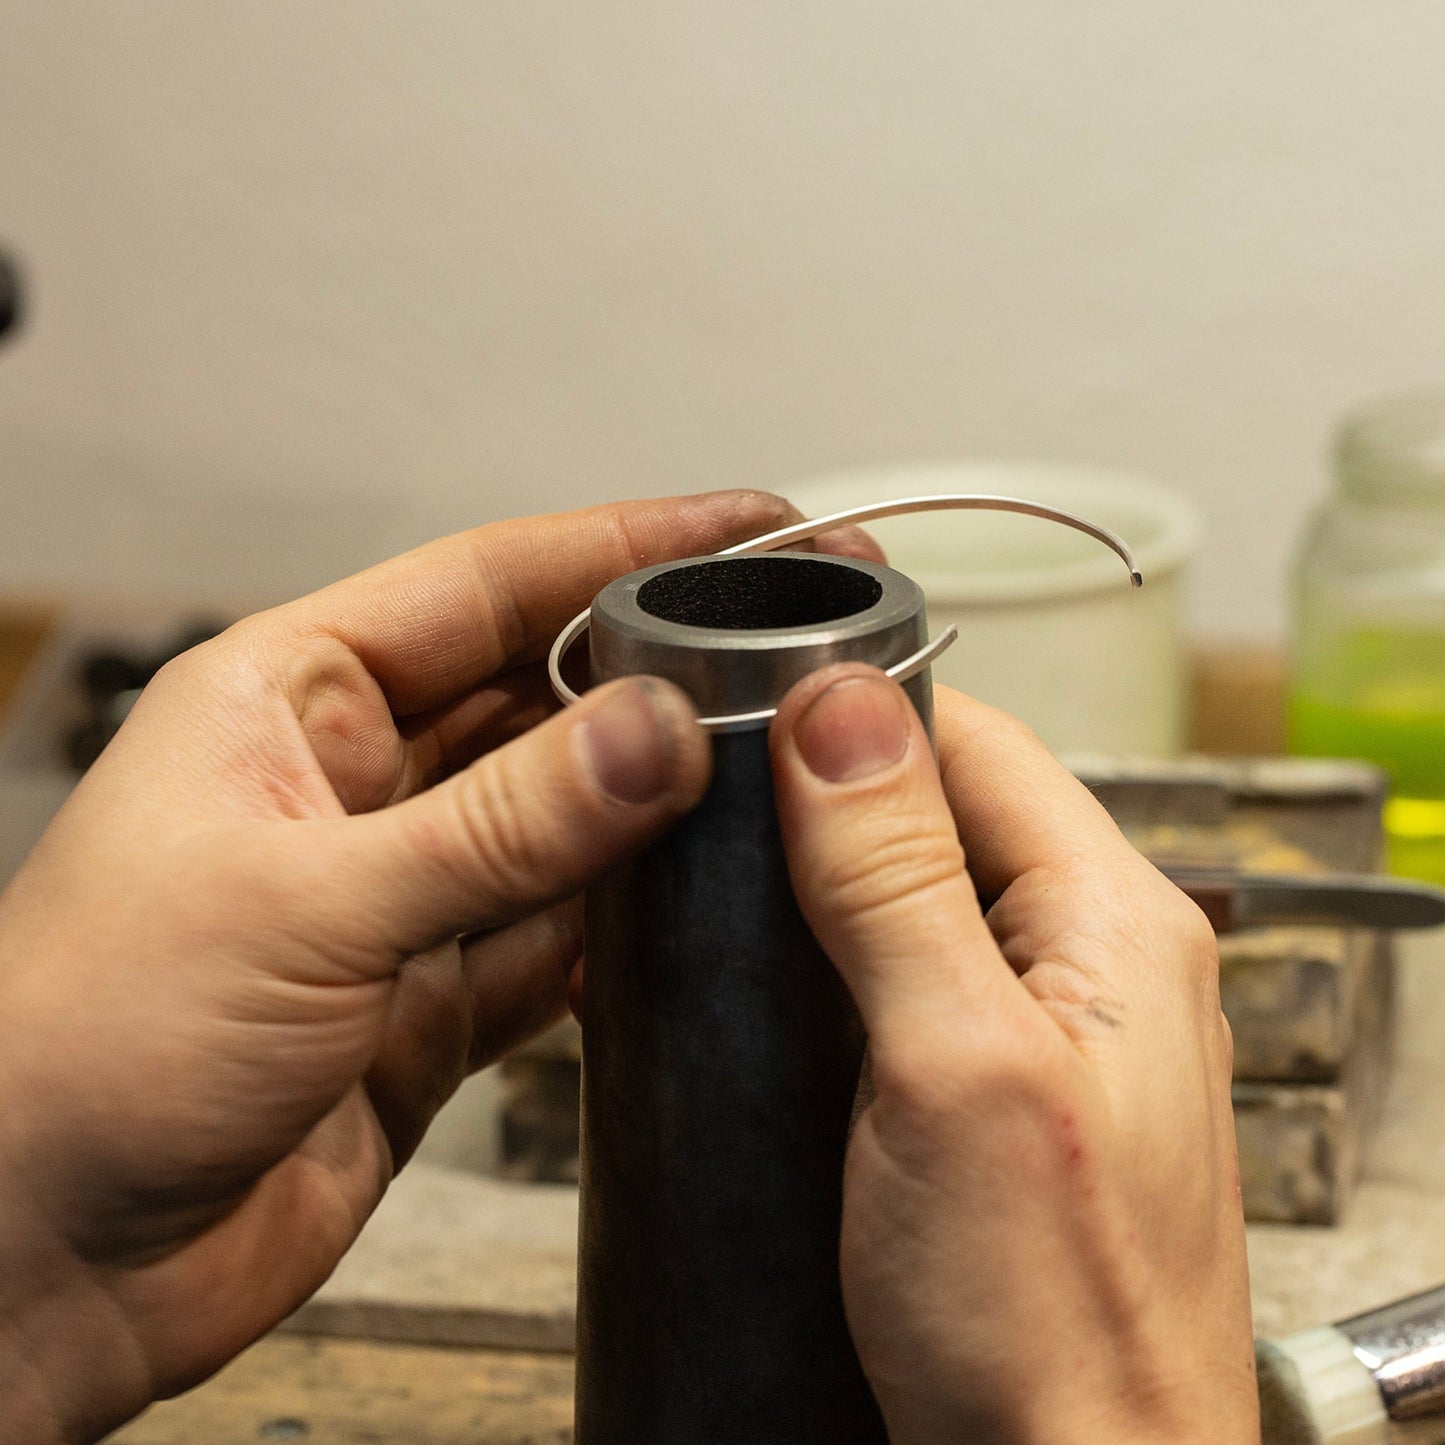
(1042, 1233)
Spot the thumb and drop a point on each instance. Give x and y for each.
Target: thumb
(528, 824)
(877, 866)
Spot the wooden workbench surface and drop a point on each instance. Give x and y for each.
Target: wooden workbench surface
(343, 1392)
(347, 1392)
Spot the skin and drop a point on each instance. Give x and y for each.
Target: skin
(331, 864)
(1042, 1234)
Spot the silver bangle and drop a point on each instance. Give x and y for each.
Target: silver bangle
(872, 512)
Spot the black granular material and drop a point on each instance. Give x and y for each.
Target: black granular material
(747, 593)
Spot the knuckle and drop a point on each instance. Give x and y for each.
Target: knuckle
(493, 558)
(1226, 1043)
(1005, 725)
(1005, 1085)
(183, 673)
(629, 545)
(1177, 930)
(764, 511)
(502, 835)
(1197, 946)
(888, 874)
(240, 662)
(1195, 931)
(917, 1079)
(1014, 728)
(963, 722)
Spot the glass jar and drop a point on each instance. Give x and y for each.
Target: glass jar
(1368, 664)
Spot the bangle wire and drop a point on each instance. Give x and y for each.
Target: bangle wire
(872, 512)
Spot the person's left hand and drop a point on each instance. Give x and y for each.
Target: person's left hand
(232, 989)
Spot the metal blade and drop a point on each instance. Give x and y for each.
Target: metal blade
(1355, 900)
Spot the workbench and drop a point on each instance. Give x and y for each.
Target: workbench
(345, 1391)
(350, 1392)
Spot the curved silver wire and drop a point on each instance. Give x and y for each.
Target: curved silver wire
(871, 512)
(911, 666)
(900, 672)
(946, 502)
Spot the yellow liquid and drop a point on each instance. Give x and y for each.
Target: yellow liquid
(1399, 726)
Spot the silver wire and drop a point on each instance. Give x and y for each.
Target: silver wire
(946, 502)
(871, 512)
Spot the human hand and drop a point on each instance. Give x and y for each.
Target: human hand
(1042, 1232)
(231, 987)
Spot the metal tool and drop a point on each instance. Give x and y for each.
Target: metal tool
(1376, 1379)
(721, 1050)
(1232, 899)
(906, 668)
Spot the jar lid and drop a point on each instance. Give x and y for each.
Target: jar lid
(1393, 449)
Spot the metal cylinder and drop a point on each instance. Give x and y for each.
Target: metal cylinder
(1403, 1347)
(721, 1051)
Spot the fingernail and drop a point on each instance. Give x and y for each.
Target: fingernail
(628, 742)
(856, 727)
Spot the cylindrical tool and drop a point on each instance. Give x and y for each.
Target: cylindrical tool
(1376, 1379)
(721, 1051)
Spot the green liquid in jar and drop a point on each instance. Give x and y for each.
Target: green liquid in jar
(1381, 697)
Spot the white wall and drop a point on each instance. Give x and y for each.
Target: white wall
(315, 278)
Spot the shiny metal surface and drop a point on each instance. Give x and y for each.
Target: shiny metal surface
(1403, 1347)
(944, 502)
(1232, 899)
(1361, 902)
(737, 676)
(900, 672)
(875, 511)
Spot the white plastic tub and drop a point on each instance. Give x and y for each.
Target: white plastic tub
(1049, 627)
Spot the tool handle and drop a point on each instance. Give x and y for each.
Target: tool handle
(1376, 1379)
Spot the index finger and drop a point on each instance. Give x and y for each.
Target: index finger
(1058, 879)
(429, 625)
(1018, 810)
(876, 865)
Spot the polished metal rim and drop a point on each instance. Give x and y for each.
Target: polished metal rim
(874, 511)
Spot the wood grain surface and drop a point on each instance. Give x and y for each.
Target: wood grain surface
(346, 1392)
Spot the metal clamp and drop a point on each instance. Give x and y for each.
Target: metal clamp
(872, 512)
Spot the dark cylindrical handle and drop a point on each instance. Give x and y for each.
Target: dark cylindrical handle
(721, 1050)
(721, 1055)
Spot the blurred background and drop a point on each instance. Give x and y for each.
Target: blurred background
(307, 284)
